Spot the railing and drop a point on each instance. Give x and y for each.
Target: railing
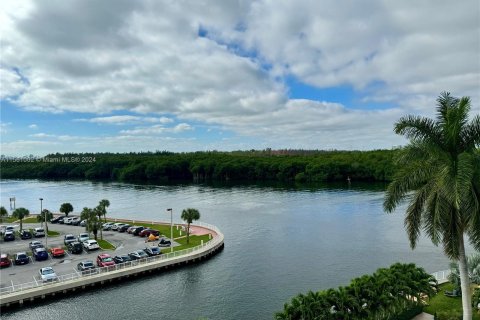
(130, 264)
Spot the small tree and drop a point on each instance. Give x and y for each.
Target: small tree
(20, 214)
(66, 208)
(104, 204)
(189, 215)
(3, 213)
(93, 223)
(46, 215)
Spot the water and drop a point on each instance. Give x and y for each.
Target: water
(279, 241)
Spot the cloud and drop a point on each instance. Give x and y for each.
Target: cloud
(33, 126)
(126, 119)
(226, 65)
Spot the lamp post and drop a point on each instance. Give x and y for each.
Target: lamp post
(171, 228)
(44, 218)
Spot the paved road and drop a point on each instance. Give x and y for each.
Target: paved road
(124, 243)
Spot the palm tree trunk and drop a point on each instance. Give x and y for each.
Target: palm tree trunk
(188, 233)
(464, 281)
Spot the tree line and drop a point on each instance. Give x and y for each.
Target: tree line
(266, 165)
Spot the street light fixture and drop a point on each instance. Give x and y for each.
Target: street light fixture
(171, 228)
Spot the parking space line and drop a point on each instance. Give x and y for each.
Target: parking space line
(35, 280)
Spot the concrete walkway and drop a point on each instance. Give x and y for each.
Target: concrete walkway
(423, 316)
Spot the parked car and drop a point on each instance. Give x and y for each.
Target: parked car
(152, 251)
(107, 226)
(105, 260)
(4, 261)
(137, 230)
(90, 245)
(116, 226)
(67, 220)
(69, 238)
(122, 258)
(75, 247)
(38, 232)
(47, 274)
(164, 243)
(62, 220)
(138, 254)
(146, 232)
(40, 254)
(35, 244)
(57, 219)
(25, 234)
(83, 223)
(85, 265)
(83, 237)
(21, 258)
(75, 221)
(57, 252)
(131, 230)
(124, 228)
(9, 236)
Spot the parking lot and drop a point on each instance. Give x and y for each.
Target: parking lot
(124, 243)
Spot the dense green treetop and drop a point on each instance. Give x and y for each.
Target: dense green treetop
(265, 165)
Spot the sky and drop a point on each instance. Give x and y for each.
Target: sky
(132, 76)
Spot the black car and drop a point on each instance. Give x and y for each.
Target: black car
(124, 228)
(25, 234)
(152, 251)
(137, 231)
(122, 258)
(9, 236)
(57, 219)
(21, 258)
(164, 243)
(75, 247)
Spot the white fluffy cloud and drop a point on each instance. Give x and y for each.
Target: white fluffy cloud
(226, 64)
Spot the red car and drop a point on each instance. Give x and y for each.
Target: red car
(4, 261)
(147, 232)
(105, 260)
(57, 252)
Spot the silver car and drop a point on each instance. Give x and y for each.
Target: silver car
(47, 274)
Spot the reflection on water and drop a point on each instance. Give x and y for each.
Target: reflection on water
(280, 239)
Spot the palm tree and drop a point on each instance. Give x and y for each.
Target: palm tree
(66, 208)
(189, 215)
(473, 267)
(20, 214)
(45, 215)
(104, 204)
(3, 213)
(439, 173)
(92, 221)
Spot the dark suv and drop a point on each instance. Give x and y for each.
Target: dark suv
(25, 234)
(75, 247)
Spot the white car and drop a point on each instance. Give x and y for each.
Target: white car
(82, 237)
(91, 245)
(38, 232)
(117, 226)
(107, 226)
(47, 274)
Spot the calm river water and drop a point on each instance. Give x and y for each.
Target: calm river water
(279, 241)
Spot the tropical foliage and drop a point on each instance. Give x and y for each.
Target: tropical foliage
(387, 293)
(266, 165)
(3, 213)
(93, 223)
(473, 267)
(20, 214)
(189, 215)
(46, 215)
(439, 173)
(66, 208)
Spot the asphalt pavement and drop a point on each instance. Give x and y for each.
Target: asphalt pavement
(123, 242)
